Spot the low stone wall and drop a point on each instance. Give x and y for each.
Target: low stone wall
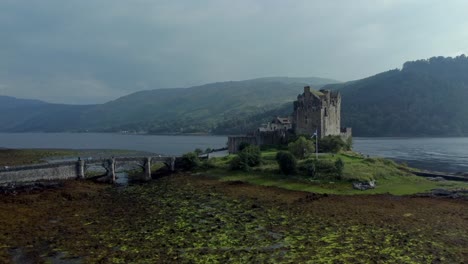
(55, 171)
(76, 169)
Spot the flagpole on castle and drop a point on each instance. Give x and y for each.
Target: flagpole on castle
(316, 144)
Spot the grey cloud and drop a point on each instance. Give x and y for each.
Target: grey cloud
(93, 51)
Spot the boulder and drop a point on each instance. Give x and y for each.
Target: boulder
(362, 186)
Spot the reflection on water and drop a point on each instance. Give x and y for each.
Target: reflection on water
(439, 154)
(121, 178)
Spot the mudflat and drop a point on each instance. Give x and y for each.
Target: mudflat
(189, 219)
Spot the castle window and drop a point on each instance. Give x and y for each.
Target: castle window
(325, 112)
(306, 119)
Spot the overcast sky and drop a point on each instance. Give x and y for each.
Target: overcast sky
(92, 51)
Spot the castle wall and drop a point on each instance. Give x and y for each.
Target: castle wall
(308, 113)
(319, 112)
(272, 137)
(235, 141)
(277, 137)
(332, 115)
(346, 133)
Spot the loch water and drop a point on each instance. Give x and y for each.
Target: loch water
(437, 154)
(440, 154)
(160, 144)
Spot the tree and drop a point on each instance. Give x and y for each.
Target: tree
(349, 143)
(247, 158)
(286, 162)
(331, 144)
(323, 169)
(339, 165)
(243, 145)
(301, 148)
(190, 161)
(308, 167)
(198, 151)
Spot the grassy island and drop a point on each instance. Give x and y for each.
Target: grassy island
(389, 176)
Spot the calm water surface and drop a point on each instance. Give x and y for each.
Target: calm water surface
(443, 154)
(161, 144)
(440, 154)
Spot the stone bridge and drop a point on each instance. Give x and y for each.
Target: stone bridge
(77, 169)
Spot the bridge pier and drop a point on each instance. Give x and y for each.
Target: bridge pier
(80, 168)
(173, 159)
(147, 170)
(112, 170)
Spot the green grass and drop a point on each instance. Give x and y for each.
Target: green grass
(14, 157)
(389, 176)
(269, 155)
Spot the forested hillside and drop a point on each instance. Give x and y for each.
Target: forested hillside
(424, 98)
(23, 115)
(198, 109)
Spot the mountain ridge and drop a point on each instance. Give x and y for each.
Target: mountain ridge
(423, 98)
(169, 110)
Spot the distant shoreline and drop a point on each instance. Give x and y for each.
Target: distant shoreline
(211, 134)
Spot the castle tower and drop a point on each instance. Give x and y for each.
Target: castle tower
(317, 111)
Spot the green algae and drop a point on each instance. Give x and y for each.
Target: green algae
(193, 220)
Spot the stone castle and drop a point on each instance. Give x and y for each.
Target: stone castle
(315, 113)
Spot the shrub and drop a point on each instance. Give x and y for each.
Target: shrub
(243, 145)
(349, 143)
(252, 155)
(190, 161)
(237, 164)
(332, 144)
(287, 162)
(323, 168)
(247, 158)
(301, 148)
(295, 137)
(339, 165)
(308, 168)
(198, 151)
(208, 164)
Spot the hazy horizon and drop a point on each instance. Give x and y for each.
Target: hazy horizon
(85, 52)
(131, 92)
